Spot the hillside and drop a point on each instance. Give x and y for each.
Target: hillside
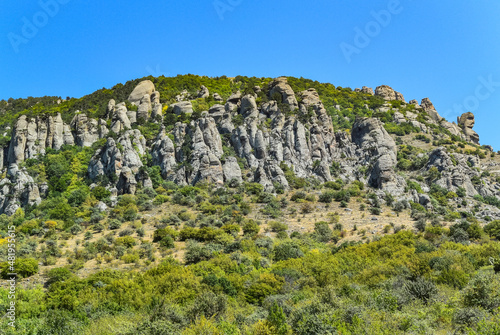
(196, 205)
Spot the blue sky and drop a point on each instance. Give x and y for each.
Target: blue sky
(446, 50)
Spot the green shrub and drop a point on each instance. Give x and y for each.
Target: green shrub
(23, 267)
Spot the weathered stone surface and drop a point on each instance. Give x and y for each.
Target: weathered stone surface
(203, 93)
(143, 88)
(182, 107)
(163, 154)
(380, 151)
(110, 110)
(126, 182)
(466, 121)
(232, 170)
(429, 108)
(280, 86)
(85, 130)
(249, 107)
(145, 108)
(120, 120)
(367, 90)
(385, 92)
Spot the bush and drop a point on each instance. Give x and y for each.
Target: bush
(482, 291)
(278, 226)
(287, 250)
(493, 229)
(24, 267)
(126, 241)
(421, 289)
(58, 275)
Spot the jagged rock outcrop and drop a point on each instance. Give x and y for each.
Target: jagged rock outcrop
(110, 110)
(163, 154)
(387, 93)
(126, 182)
(157, 107)
(232, 170)
(145, 108)
(453, 173)
(281, 87)
(18, 190)
(466, 121)
(85, 130)
(203, 93)
(120, 120)
(143, 88)
(429, 108)
(379, 150)
(30, 137)
(182, 107)
(367, 90)
(262, 137)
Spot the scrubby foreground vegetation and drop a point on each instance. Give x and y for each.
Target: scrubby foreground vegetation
(213, 261)
(195, 205)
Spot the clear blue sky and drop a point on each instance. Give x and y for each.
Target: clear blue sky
(435, 49)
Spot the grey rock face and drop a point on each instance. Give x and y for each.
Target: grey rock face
(217, 97)
(19, 190)
(232, 170)
(126, 182)
(429, 108)
(380, 150)
(31, 137)
(110, 110)
(452, 176)
(183, 107)
(120, 120)
(85, 130)
(145, 108)
(143, 88)
(163, 154)
(18, 141)
(203, 93)
(387, 93)
(466, 121)
(280, 86)
(367, 90)
(249, 107)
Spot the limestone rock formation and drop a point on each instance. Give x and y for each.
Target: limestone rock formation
(85, 130)
(387, 93)
(429, 108)
(182, 107)
(466, 121)
(203, 93)
(379, 150)
(280, 86)
(367, 90)
(143, 88)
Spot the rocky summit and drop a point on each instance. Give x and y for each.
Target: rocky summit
(255, 136)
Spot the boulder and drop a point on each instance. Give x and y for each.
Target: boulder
(143, 88)
(367, 90)
(85, 130)
(182, 107)
(145, 108)
(429, 108)
(203, 92)
(232, 170)
(280, 86)
(466, 121)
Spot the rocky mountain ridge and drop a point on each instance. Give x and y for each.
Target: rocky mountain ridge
(244, 140)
